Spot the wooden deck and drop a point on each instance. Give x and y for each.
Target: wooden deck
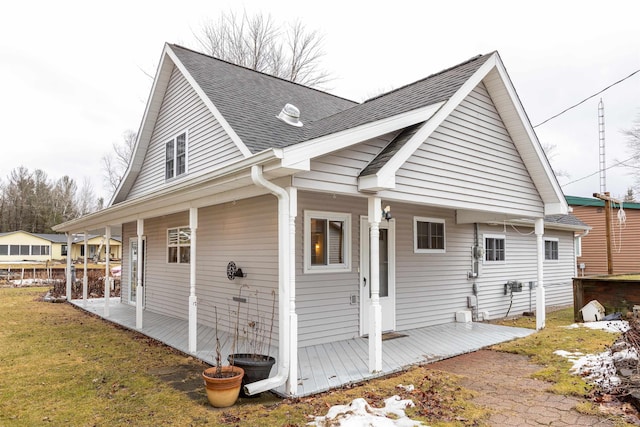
(324, 366)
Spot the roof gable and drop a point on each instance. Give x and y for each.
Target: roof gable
(381, 172)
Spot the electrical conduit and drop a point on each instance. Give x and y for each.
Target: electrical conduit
(284, 261)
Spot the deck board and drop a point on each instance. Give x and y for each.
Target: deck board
(322, 366)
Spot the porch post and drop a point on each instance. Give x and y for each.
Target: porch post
(540, 293)
(107, 277)
(292, 380)
(375, 312)
(69, 243)
(139, 288)
(193, 300)
(85, 279)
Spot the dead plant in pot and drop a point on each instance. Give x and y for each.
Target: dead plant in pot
(257, 333)
(222, 383)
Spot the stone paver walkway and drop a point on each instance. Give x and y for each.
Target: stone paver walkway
(503, 383)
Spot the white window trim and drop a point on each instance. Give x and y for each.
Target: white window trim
(551, 239)
(417, 219)
(330, 216)
(175, 155)
(166, 259)
(484, 243)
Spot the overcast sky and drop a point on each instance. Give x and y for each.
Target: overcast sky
(73, 74)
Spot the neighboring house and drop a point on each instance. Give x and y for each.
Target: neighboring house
(222, 171)
(625, 236)
(96, 245)
(18, 246)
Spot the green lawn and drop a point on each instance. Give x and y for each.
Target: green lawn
(60, 366)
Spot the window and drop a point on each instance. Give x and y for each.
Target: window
(4, 249)
(14, 250)
(327, 241)
(25, 250)
(178, 245)
(63, 250)
(494, 248)
(551, 249)
(428, 235)
(176, 156)
(39, 250)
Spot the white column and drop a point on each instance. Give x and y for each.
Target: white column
(193, 300)
(540, 293)
(69, 243)
(85, 279)
(139, 288)
(107, 273)
(292, 381)
(375, 311)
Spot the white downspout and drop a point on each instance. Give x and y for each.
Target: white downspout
(285, 284)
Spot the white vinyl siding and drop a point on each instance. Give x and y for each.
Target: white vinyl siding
(469, 162)
(323, 301)
(244, 232)
(209, 146)
(339, 171)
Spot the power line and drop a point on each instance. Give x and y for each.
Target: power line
(597, 172)
(588, 98)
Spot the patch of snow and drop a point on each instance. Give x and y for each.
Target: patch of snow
(598, 368)
(360, 414)
(408, 388)
(603, 325)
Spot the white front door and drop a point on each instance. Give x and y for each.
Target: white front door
(387, 275)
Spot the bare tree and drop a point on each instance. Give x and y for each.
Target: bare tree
(86, 201)
(550, 151)
(287, 51)
(115, 163)
(633, 145)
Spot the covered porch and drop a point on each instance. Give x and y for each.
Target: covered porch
(324, 366)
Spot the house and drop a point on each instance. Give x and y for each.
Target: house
(413, 209)
(96, 247)
(18, 246)
(625, 236)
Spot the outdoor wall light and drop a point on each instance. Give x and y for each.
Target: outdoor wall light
(386, 212)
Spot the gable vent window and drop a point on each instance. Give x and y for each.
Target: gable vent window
(175, 163)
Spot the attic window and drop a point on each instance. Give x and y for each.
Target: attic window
(175, 156)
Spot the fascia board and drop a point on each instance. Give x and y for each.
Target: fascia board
(437, 117)
(555, 207)
(375, 183)
(327, 144)
(214, 110)
(143, 137)
(129, 209)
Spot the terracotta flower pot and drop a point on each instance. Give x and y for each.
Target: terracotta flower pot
(223, 390)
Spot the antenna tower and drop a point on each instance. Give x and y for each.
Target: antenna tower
(603, 163)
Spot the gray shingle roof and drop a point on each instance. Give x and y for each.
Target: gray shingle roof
(250, 101)
(568, 219)
(390, 150)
